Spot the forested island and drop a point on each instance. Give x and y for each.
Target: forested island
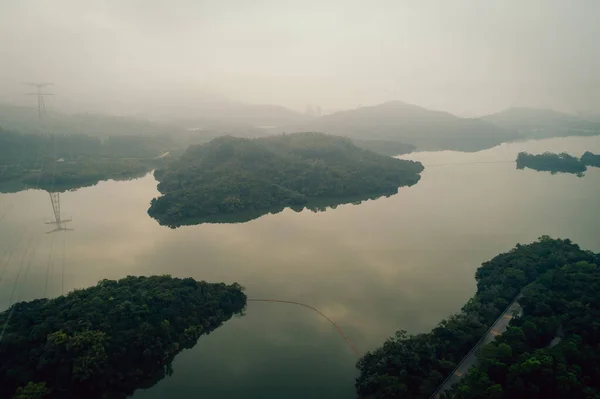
(108, 340)
(59, 162)
(554, 275)
(238, 179)
(590, 159)
(555, 163)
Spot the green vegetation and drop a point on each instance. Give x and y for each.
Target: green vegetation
(25, 120)
(590, 159)
(62, 162)
(411, 124)
(389, 148)
(553, 350)
(555, 163)
(544, 123)
(108, 340)
(413, 366)
(234, 176)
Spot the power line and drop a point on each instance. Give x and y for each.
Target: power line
(55, 198)
(40, 97)
(19, 270)
(41, 166)
(8, 208)
(465, 163)
(16, 283)
(350, 344)
(48, 268)
(10, 256)
(62, 282)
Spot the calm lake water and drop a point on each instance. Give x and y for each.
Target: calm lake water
(403, 262)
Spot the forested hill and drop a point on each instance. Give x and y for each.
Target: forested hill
(541, 123)
(231, 175)
(108, 340)
(411, 124)
(553, 349)
(63, 161)
(413, 366)
(25, 119)
(385, 147)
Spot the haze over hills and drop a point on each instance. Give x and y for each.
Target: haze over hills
(590, 116)
(236, 115)
(534, 122)
(411, 124)
(204, 121)
(379, 126)
(25, 120)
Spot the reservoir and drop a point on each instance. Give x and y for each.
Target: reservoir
(402, 262)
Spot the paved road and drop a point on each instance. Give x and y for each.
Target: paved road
(471, 359)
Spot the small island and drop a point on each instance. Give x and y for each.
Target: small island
(108, 340)
(551, 351)
(236, 179)
(550, 162)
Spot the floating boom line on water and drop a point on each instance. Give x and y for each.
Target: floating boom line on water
(350, 344)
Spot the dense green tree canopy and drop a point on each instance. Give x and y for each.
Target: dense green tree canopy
(62, 162)
(550, 162)
(230, 176)
(107, 340)
(553, 349)
(413, 366)
(590, 159)
(385, 147)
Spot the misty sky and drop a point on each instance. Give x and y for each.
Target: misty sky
(464, 56)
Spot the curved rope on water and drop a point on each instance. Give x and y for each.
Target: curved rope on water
(350, 344)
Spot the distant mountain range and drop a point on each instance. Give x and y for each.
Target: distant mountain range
(208, 119)
(410, 124)
(231, 116)
(25, 120)
(538, 123)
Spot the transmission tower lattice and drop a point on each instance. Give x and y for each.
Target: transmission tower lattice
(40, 97)
(55, 200)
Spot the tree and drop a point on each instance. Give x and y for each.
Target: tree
(32, 391)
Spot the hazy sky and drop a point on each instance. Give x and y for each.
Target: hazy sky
(464, 56)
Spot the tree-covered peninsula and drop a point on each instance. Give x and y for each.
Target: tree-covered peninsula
(108, 340)
(552, 274)
(550, 162)
(590, 159)
(232, 176)
(385, 147)
(552, 350)
(61, 162)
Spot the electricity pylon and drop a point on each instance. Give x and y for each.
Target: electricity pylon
(55, 200)
(40, 97)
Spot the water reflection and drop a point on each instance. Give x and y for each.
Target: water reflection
(58, 221)
(46, 181)
(405, 261)
(314, 205)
